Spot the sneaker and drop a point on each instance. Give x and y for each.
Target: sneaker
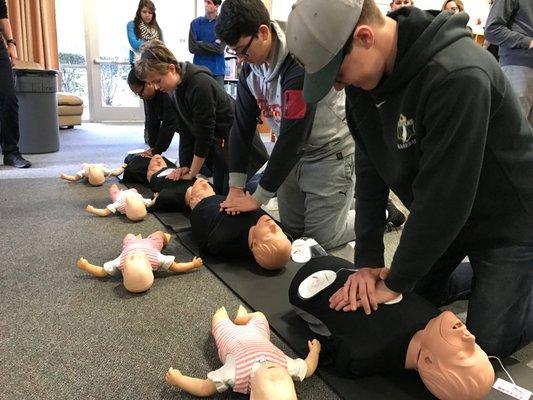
(395, 218)
(16, 160)
(315, 283)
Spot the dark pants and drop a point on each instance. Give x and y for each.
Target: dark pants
(220, 168)
(9, 108)
(500, 309)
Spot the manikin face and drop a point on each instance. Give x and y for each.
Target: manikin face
(452, 6)
(448, 349)
(254, 49)
(198, 191)
(271, 381)
(167, 82)
(137, 274)
(364, 65)
(210, 8)
(156, 163)
(396, 4)
(146, 15)
(267, 229)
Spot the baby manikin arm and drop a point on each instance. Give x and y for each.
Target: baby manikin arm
(72, 178)
(312, 358)
(101, 212)
(119, 170)
(92, 269)
(186, 266)
(195, 386)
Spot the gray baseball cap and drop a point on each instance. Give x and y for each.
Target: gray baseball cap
(316, 33)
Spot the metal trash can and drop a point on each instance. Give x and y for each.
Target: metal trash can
(36, 92)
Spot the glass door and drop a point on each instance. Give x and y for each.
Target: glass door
(107, 51)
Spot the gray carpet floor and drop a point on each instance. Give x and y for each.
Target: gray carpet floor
(67, 335)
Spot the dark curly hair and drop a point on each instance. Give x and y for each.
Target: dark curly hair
(240, 18)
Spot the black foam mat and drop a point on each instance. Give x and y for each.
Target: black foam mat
(267, 292)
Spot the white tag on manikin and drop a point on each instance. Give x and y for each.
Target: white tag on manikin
(512, 390)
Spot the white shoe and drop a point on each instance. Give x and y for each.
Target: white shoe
(315, 283)
(301, 249)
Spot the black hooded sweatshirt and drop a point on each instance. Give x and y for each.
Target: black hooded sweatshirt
(445, 132)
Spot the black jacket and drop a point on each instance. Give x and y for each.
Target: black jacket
(204, 111)
(446, 133)
(161, 122)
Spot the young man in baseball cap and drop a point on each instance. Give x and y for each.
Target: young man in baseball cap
(435, 120)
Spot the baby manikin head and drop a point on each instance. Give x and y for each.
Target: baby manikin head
(95, 175)
(156, 164)
(269, 245)
(135, 207)
(450, 363)
(197, 192)
(271, 381)
(137, 273)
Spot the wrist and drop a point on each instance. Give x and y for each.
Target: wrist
(11, 42)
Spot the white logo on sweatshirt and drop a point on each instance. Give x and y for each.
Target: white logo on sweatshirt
(405, 132)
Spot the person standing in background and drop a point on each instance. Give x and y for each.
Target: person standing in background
(9, 108)
(144, 27)
(203, 43)
(510, 26)
(454, 6)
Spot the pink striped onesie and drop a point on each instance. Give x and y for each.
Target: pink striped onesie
(119, 200)
(151, 246)
(249, 344)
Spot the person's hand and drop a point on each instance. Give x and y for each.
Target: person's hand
(173, 376)
(233, 194)
(241, 204)
(531, 44)
(314, 346)
(359, 291)
(197, 262)
(89, 208)
(177, 173)
(12, 53)
(187, 177)
(82, 263)
(147, 153)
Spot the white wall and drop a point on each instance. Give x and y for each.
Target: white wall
(477, 9)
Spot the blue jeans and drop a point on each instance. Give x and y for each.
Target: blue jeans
(500, 309)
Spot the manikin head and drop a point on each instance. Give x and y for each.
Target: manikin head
(137, 273)
(95, 175)
(271, 381)
(244, 25)
(269, 245)
(135, 208)
(450, 363)
(158, 66)
(197, 192)
(156, 164)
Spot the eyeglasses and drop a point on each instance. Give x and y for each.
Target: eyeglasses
(244, 51)
(140, 93)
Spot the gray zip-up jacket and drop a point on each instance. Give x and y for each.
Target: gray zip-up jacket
(304, 131)
(510, 26)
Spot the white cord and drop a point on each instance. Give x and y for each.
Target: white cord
(503, 369)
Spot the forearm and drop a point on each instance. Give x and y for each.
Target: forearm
(96, 270)
(182, 267)
(72, 178)
(312, 363)
(101, 212)
(196, 165)
(119, 170)
(195, 386)
(6, 28)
